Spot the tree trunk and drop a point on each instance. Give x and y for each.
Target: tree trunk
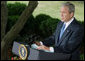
(4, 15)
(11, 35)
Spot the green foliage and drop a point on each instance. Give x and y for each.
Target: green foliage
(81, 22)
(11, 21)
(48, 26)
(41, 17)
(29, 26)
(82, 56)
(45, 25)
(14, 11)
(16, 8)
(38, 19)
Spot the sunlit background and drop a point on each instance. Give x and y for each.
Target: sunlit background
(52, 8)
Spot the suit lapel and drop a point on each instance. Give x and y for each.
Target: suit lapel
(67, 31)
(57, 34)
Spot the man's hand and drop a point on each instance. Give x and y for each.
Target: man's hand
(37, 43)
(42, 47)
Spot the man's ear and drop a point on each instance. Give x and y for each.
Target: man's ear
(72, 14)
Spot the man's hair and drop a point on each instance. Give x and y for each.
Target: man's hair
(70, 6)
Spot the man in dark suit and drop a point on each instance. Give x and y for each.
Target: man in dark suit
(67, 36)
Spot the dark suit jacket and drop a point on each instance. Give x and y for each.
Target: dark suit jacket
(70, 40)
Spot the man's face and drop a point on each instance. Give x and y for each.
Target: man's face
(65, 14)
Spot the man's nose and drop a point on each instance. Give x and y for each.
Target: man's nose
(61, 14)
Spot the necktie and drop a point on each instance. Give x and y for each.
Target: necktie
(62, 30)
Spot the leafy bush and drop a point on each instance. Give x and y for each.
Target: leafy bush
(82, 56)
(29, 26)
(14, 11)
(38, 19)
(11, 21)
(48, 26)
(41, 17)
(16, 8)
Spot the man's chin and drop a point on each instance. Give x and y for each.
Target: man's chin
(62, 20)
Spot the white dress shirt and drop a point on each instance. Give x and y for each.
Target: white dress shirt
(68, 23)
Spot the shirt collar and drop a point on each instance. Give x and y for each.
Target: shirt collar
(67, 23)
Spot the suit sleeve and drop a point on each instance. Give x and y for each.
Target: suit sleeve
(49, 41)
(72, 43)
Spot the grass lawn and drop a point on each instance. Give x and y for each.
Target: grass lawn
(52, 8)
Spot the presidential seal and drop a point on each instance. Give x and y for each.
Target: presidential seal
(23, 52)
